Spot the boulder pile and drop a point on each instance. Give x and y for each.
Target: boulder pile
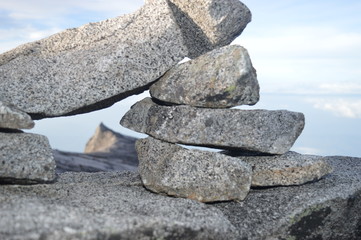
(193, 103)
(190, 105)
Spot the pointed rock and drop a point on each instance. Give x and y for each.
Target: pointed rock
(264, 131)
(283, 170)
(106, 150)
(93, 66)
(210, 24)
(223, 78)
(199, 175)
(12, 118)
(25, 158)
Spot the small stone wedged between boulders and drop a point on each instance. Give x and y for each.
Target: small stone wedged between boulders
(13, 118)
(288, 169)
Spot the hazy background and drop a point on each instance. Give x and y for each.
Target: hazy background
(307, 55)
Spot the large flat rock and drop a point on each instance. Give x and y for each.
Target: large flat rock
(104, 206)
(327, 209)
(115, 206)
(12, 118)
(203, 176)
(91, 67)
(25, 158)
(253, 130)
(221, 78)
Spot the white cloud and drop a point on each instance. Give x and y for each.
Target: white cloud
(44, 9)
(343, 88)
(307, 150)
(11, 38)
(350, 108)
(303, 58)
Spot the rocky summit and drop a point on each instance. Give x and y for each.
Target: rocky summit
(258, 188)
(93, 66)
(116, 206)
(264, 131)
(223, 78)
(106, 150)
(204, 176)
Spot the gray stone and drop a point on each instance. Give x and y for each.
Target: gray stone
(13, 118)
(253, 130)
(221, 78)
(203, 176)
(290, 168)
(104, 206)
(25, 158)
(114, 205)
(209, 24)
(93, 66)
(106, 150)
(327, 209)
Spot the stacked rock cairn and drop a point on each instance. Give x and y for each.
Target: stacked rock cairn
(190, 105)
(92, 67)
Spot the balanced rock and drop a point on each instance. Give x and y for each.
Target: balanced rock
(199, 175)
(93, 66)
(290, 168)
(264, 131)
(221, 78)
(12, 118)
(25, 158)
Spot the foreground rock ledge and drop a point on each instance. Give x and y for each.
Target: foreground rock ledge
(203, 176)
(264, 131)
(93, 66)
(25, 158)
(104, 206)
(221, 78)
(115, 205)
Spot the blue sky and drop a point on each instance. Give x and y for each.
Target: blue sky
(297, 46)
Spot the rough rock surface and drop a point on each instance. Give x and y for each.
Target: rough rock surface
(253, 130)
(91, 67)
(221, 78)
(106, 150)
(199, 175)
(114, 205)
(209, 24)
(327, 209)
(25, 158)
(13, 118)
(104, 206)
(290, 168)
